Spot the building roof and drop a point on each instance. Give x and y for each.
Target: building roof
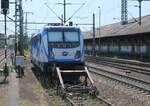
(117, 29)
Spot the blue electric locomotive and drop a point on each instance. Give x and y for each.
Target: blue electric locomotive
(57, 45)
(59, 51)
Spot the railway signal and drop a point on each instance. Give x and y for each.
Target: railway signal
(4, 4)
(5, 8)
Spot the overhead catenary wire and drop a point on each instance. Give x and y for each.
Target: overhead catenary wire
(75, 12)
(63, 18)
(132, 16)
(53, 11)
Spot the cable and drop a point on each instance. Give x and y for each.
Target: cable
(75, 12)
(53, 12)
(132, 17)
(11, 19)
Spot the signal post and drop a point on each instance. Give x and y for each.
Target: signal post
(5, 8)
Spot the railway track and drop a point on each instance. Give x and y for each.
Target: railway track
(70, 99)
(139, 85)
(81, 102)
(2, 58)
(1, 54)
(74, 101)
(3, 75)
(124, 66)
(123, 61)
(70, 102)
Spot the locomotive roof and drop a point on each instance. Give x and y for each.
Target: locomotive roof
(61, 28)
(71, 28)
(116, 29)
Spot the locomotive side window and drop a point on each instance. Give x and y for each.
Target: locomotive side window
(71, 36)
(55, 36)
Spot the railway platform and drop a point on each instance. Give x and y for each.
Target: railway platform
(34, 89)
(25, 91)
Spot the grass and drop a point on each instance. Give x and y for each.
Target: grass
(26, 52)
(2, 101)
(38, 87)
(12, 68)
(116, 57)
(43, 83)
(26, 103)
(56, 100)
(1, 70)
(128, 71)
(51, 92)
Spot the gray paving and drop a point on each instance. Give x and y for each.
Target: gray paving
(13, 90)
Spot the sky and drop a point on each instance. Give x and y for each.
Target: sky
(110, 12)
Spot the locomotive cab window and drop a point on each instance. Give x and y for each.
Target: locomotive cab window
(55, 36)
(63, 36)
(71, 36)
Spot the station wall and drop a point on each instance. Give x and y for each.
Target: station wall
(133, 45)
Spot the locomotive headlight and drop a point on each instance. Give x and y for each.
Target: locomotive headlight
(51, 54)
(77, 55)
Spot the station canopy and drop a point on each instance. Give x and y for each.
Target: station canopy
(116, 29)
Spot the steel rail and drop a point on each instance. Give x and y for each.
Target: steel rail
(125, 61)
(70, 101)
(122, 61)
(2, 81)
(104, 100)
(127, 77)
(2, 60)
(97, 97)
(123, 82)
(1, 53)
(128, 66)
(121, 66)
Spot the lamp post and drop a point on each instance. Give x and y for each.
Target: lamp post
(93, 51)
(140, 8)
(99, 42)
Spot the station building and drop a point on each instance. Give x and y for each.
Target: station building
(129, 40)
